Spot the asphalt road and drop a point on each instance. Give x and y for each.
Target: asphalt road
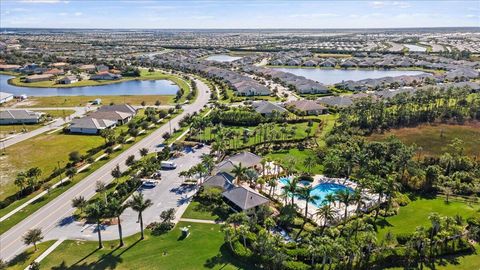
(49, 216)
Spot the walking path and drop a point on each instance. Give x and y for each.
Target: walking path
(47, 252)
(206, 221)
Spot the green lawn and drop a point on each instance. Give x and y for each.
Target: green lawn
(416, 214)
(7, 130)
(434, 139)
(25, 258)
(196, 210)
(43, 151)
(237, 141)
(70, 101)
(298, 156)
(203, 249)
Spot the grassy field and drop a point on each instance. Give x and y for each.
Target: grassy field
(416, 214)
(434, 139)
(25, 258)
(5, 130)
(298, 156)
(43, 151)
(70, 101)
(299, 133)
(195, 211)
(202, 249)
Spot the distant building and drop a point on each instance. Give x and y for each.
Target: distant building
(38, 78)
(19, 117)
(9, 67)
(68, 80)
(105, 76)
(87, 68)
(54, 71)
(5, 97)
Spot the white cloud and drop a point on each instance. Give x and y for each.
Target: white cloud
(78, 13)
(396, 4)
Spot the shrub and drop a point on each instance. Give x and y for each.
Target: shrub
(403, 238)
(241, 251)
(294, 265)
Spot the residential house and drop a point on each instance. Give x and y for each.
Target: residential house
(5, 97)
(105, 75)
(247, 159)
(119, 117)
(87, 68)
(68, 79)
(223, 181)
(38, 78)
(19, 117)
(9, 67)
(86, 125)
(306, 107)
(267, 108)
(54, 71)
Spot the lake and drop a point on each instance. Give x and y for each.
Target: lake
(415, 48)
(332, 76)
(135, 87)
(222, 58)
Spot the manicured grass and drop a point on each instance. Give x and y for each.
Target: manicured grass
(70, 101)
(237, 141)
(43, 151)
(464, 262)
(24, 259)
(328, 123)
(434, 139)
(416, 214)
(196, 211)
(298, 156)
(203, 249)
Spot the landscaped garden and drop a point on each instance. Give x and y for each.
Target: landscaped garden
(204, 248)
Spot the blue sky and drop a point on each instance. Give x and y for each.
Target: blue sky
(237, 14)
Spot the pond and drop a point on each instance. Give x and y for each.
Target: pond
(222, 58)
(415, 48)
(332, 76)
(135, 87)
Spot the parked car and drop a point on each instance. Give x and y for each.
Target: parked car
(168, 165)
(149, 184)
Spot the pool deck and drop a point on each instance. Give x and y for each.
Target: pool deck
(369, 199)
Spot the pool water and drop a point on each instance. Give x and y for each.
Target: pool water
(320, 190)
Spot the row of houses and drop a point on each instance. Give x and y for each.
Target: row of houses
(297, 83)
(106, 117)
(241, 84)
(299, 107)
(348, 100)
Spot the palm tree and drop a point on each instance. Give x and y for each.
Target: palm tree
(327, 213)
(115, 209)
(139, 204)
(330, 198)
(309, 163)
(239, 172)
(96, 211)
(32, 237)
(291, 188)
(305, 193)
(344, 196)
(208, 161)
(79, 202)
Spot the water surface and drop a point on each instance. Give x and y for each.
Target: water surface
(136, 87)
(415, 48)
(222, 58)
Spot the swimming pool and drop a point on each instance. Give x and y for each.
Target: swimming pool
(320, 190)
